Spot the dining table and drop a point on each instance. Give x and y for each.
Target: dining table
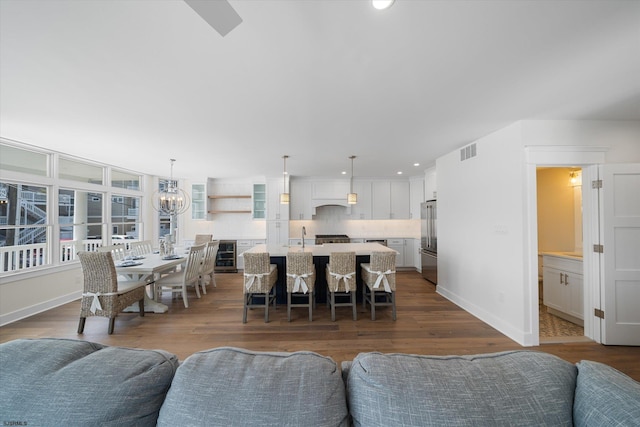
(321, 254)
(148, 268)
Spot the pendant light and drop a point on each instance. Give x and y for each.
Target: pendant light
(284, 196)
(352, 198)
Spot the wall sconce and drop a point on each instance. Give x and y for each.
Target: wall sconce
(575, 178)
(352, 198)
(284, 196)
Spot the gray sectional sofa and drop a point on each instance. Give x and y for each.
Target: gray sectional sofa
(55, 382)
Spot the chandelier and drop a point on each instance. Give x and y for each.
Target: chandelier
(171, 200)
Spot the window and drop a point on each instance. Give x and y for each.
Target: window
(81, 172)
(125, 216)
(74, 202)
(24, 230)
(81, 223)
(121, 179)
(25, 161)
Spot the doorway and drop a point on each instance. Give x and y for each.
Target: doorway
(560, 248)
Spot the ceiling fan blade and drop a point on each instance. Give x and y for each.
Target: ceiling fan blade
(217, 13)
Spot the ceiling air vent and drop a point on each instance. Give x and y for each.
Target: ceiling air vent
(468, 152)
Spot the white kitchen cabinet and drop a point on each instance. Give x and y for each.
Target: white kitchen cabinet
(198, 201)
(301, 206)
(399, 246)
(390, 199)
(430, 184)
(278, 232)
(416, 196)
(562, 282)
(276, 210)
(362, 209)
(244, 245)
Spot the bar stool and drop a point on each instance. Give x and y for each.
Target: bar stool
(341, 279)
(301, 279)
(260, 277)
(380, 271)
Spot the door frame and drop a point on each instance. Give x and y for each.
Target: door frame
(588, 158)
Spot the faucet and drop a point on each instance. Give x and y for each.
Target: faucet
(304, 233)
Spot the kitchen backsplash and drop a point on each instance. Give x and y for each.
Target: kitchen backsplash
(334, 220)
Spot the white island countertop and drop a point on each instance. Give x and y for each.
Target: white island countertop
(322, 250)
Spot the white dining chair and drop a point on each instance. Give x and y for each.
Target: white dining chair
(189, 275)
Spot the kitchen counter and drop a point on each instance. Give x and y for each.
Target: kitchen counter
(568, 255)
(361, 249)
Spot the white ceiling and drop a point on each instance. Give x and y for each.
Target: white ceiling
(136, 82)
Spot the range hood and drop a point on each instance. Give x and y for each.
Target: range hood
(319, 203)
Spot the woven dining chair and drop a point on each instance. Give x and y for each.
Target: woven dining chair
(260, 276)
(379, 282)
(189, 275)
(341, 281)
(301, 280)
(103, 294)
(208, 266)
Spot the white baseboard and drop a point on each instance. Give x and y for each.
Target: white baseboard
(518, 336)
(14, 316)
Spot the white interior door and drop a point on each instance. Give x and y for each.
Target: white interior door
(620, 237)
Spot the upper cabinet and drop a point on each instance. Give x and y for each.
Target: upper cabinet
(362, 209)
(276, 210)
(259, 201)
(416, 196)
(430, 187)
(198, 201)
(300, 207)
(390, 200)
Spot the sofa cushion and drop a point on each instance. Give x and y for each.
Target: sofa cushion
(508, 388)
(79, 383)
(605, 396)
(235, 387)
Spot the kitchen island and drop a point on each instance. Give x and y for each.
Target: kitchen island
(321, 253)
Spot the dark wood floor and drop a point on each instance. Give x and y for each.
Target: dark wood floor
(427, 324)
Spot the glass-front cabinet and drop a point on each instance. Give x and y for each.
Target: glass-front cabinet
(198, 201)
(259, 201)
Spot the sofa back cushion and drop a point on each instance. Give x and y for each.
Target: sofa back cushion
(235, 387)
(605, 396)
(509, 388)
(78, 383)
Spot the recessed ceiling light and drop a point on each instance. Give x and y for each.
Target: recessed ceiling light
(343, 172)
(399, 172)
(416, 164)
(382, 4)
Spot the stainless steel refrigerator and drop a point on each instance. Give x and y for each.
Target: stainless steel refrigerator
(429, 240)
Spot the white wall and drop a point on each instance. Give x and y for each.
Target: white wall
(484, 244)
(481, 230)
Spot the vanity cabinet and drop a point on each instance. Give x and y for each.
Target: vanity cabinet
(563, 290)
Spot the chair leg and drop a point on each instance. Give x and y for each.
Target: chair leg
(112, 323)
(184, 296)
(81, 324)
(373, 304)
(333, 306)
(141, 307)
(311, 299)
(266, 307)
(246, 306)
(289, 306)
(393, 304)
(353, 305)
(213, 280)
(203, 285)
(197, 286)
